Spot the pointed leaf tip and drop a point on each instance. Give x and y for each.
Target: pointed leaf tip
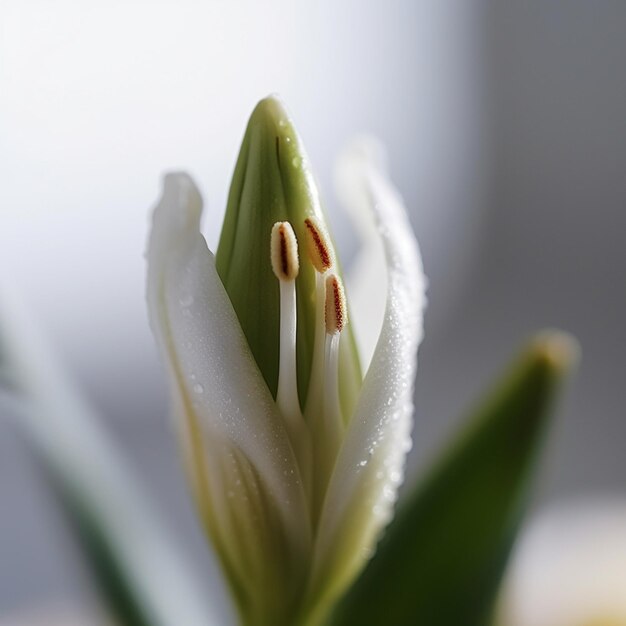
(270, 110)
(559, 351)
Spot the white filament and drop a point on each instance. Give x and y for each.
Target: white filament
(287, 394)
(333, 421)
(317, 364)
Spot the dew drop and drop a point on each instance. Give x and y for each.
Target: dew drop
(198, 388)
(367, 553)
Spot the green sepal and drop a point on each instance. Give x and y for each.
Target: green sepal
(441, 559)
(273, 182)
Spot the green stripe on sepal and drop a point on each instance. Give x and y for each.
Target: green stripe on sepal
(273, 183)
(441, 559)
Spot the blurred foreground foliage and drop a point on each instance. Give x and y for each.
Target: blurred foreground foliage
(441, 559)
(439, 563)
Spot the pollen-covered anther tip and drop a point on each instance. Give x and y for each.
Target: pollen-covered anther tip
(336, 310)
(318, 245)
(284, 251)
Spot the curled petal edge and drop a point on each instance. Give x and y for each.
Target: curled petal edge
(370, 465)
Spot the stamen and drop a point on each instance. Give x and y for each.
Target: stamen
(284, 251)
(327, 422)
(336, 319)
(318, 245)
(333, 421)
(317, 364)
(323, 410)
(287, 396)
(284, 256)
(321, 255)
(336, 310)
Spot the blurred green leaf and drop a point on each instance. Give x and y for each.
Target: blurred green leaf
(141, 575)
(441, 559)
(115, 584)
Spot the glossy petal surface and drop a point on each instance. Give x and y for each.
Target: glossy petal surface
(370, 465)
(242, 468)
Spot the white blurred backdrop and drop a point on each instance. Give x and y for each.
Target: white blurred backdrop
(100, 99)
(505, 130)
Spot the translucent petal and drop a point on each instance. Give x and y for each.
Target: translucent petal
(370, 465)
(366, 277)
(240, 462)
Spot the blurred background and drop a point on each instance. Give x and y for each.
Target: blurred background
(505, 127)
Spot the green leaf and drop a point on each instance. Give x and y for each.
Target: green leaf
(114, 583)
(273, 182)
(139, 572)
(441, 559)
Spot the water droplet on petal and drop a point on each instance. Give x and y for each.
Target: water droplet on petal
(395, 477)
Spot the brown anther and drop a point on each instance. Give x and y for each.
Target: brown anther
(318, 245)
(284, 251)
(336, 310)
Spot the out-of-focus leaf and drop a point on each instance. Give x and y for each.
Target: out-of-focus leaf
(114, 583)
(141, 575)
(441, 559)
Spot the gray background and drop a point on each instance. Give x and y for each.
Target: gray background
(506, 133)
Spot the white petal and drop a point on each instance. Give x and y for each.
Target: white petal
(242, 467)
(569, 567)
(370, 465)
